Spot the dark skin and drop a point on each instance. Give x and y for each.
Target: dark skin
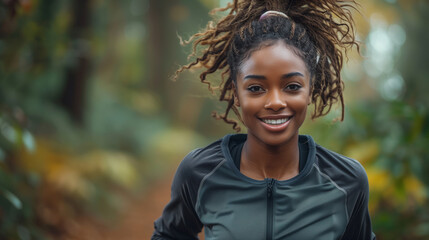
(273, 92)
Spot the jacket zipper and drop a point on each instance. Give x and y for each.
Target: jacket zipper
(270, 203)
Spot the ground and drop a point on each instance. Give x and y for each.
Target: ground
(136, 222)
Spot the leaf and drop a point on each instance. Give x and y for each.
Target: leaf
(13, 199)
(28, 141)
(9, 132)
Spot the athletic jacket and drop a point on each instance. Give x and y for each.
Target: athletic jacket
(327, 200)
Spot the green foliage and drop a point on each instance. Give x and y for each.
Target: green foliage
(17, 189)
(83, 121)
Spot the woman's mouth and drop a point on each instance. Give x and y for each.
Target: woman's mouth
(276, 121)
(276, 124)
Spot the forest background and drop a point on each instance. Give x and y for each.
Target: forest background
(92, 127)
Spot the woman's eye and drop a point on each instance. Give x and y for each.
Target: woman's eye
(255, 89)
(293, 87)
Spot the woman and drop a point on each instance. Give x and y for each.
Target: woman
(272, 183)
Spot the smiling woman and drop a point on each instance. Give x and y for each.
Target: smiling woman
(273, 91)
(272, 183)
(273, 84)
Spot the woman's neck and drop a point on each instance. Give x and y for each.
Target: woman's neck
(259, 161)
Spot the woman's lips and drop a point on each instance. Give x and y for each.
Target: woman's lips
(275, 124)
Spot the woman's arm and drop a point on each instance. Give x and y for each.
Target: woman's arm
(359, 225)
(179, 219)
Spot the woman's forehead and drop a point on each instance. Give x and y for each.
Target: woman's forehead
(274, 55)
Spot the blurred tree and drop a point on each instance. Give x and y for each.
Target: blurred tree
(166, 20)
(77, 73)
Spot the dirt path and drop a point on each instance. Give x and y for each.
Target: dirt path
(136, 222)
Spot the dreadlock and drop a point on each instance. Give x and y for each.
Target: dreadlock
(318, 31)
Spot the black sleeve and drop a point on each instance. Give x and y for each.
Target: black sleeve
(179, 219)
(359, 225)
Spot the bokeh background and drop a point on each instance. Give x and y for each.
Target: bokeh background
(92, 127)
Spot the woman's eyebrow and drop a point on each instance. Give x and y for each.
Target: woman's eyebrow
(254, 77)
(292, 74)
(285, 76)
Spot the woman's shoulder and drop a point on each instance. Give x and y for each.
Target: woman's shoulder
(345, 171)
(214, 152)
(201, 161)
(348, 163)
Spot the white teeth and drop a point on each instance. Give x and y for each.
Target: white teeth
(275, 121)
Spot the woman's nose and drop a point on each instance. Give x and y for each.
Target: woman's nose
(275, 101)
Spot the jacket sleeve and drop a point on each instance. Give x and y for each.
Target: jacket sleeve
(179, 219)
(359, 225)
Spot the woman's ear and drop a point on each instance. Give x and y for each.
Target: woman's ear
(309, 95)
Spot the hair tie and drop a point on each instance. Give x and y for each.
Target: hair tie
(270, 13)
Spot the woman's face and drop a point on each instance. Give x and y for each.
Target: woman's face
(273, 92)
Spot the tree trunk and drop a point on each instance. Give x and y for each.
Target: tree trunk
(77, 73)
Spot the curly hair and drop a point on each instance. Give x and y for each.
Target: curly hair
(320, 32)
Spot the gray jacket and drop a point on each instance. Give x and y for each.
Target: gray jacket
(327, 200)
